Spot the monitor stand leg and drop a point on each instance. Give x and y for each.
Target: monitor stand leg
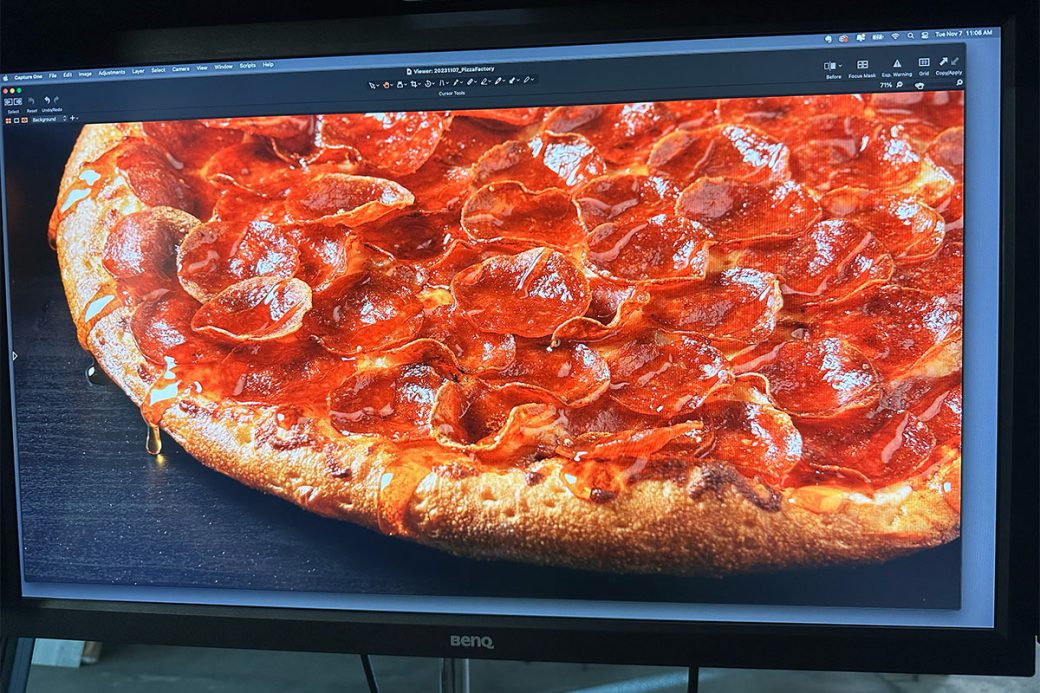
(454, 675)
(691, 680)
(15, 659)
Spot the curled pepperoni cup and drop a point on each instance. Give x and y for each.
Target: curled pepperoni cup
(141, 249)
(612, 309)
(887, 159)
(218, 254)
(572, 373)
(515, 117)
(528, 294)
(947, 150)
(254, 310)
(366, 311)
(665, 375)
(466, 140)
(189, 141)
(341, 198)
(293, 370)
(472, 350)
(737, 211)
(660, 248)
(940, 109)
(693, 114)
(941, 274)
(161, 327)
(898, 329)
(834, 260)
(279, 127)
(639, 445)
(738, 306)
(395, 401)
(508, 211)
(251, 166)
(398, 143)
(779, 115)
(826, 145)
(733, 151)
(439, 187)
(154, 180)
(909, 229)
(622, 133)
(623, 197)
(411, 235)
(821, 378)
(758, 439)
(545, 161)
(493, 424)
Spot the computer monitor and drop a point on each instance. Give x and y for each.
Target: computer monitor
(710, 349)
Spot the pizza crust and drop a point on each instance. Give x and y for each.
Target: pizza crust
(654, 526)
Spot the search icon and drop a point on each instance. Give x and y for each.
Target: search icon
(960, 82)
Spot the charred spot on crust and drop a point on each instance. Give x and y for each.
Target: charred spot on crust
(533, 478)
(716, 476)
(455, 471)
(286, 430)
(601, 495)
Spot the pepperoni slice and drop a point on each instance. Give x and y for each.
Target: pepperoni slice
(394, 401)
(897, 328)
(935, 401)
(398, 143)
(327, 253)
(290, 370)
(366, 311)
(737, 212)
(693, 115)
(218, 254)
(887, 160)
(665, 376)
(612, 308)
(739, 306)
(660, 248)
(340, 198)
(474, 418)
(509, 211)
(141, 249)
(951, 207)
(820, 378)
(943, 274)
(778, 115)
(251, 166)
(508, 116)
(572, 373)
(604, 415)
(622, 133)
(828, 143)
(254, 310)
(732, 151)
(947, 150)
(528, 294)
(466, 140)
(154, 180)
(834, 260)
(280, 127)
(909, 229)
(623, 197)
(413, 235)
(941, 109)
(895, 448)
(438, 187)
(545, 161)
(758, 439)
(161, 327)
(461, 254)
(473, 351)
(189, 141)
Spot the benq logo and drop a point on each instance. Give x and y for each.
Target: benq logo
(484, 641)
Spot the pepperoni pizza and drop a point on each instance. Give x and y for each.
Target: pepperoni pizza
(691, 336)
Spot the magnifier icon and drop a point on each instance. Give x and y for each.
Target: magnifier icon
(960, 82)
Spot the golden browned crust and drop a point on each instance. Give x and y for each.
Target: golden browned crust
(713, 525)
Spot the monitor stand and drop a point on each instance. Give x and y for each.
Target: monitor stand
(454, 675)
(15, 660)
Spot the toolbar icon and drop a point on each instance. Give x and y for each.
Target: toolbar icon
(826, 39)
(861, 37)
(897, 63)
(924, 34)
(919, 85)
(862, 64)
(924, 62)
(895, 35)
(844, 38)
(899, 85)
(830, 65)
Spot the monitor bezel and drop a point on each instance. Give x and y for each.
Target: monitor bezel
(1007, 648)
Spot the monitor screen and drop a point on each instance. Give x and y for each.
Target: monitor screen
(692, 331)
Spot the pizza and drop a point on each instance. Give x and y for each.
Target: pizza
(692, 337)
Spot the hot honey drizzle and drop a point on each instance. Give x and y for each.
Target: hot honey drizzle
(95, 374)
(397, 487)
(153, 441)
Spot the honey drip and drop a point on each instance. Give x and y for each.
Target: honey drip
(95, 375)
(396, 489)
(103, 302)
(153, 442)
